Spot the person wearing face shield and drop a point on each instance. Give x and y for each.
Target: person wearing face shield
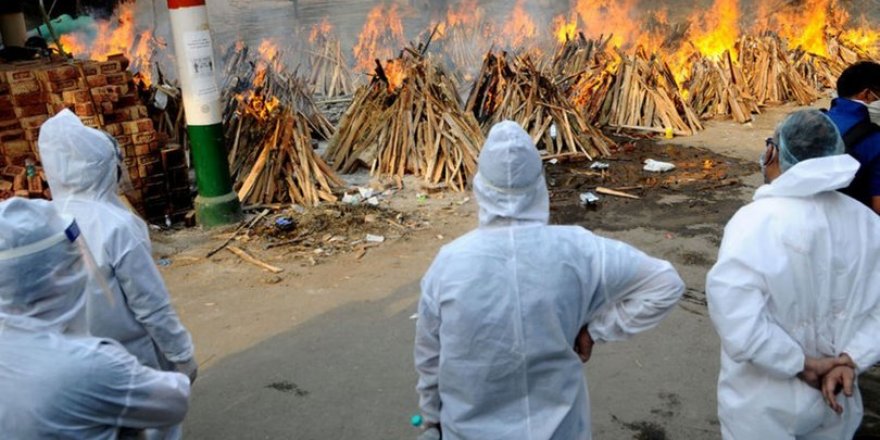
(856, 112)
(793, 294)
(81, 166)
(502, 307)
(56, 381)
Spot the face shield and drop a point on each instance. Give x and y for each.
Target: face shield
(123, 178)
(45, 265)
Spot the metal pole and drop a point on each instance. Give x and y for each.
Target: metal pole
(216, 203)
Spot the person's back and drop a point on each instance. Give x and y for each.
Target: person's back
(56, 381)
(502, 306)
(57, 386)
(858, 87)
(81, 166)
(794, 284)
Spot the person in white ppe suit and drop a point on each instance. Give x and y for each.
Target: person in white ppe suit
(502, 306)
(82, 168)
(56, 381)
(795, 294)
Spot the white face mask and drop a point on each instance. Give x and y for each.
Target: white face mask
(874, 111)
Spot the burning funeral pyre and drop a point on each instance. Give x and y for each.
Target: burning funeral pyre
(408, 120)
(599, 65)
(272, 122)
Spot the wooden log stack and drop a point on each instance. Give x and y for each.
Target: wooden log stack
(329, 74)
(584, 70)
(512, 88)
(719, 89)
(645, 96)
(271, 122)
(773, 78)
(408, 120)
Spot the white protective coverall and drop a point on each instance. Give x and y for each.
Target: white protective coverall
(798, 274)
(81, 167)
(55, 380)
(501, 308)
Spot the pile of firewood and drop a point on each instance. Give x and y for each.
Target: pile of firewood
(645, 96)
(513, 88)
(408, 120)
(822, 72)
(329, 73)
(773, 78)
(271, 122)
(584, 71)
(719, 89)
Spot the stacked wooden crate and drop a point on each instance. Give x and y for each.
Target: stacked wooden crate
(104, 97)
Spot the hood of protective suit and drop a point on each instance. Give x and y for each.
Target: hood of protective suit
(42, 274)
(80, 162)
(812, 177)
(509, 185)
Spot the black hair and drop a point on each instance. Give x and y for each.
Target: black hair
(860, 76)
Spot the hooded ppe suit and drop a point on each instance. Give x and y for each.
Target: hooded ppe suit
(81, 167)
(55, 380)
(797, 275)
(501, 308)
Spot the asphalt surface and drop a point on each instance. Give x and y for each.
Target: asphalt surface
(345, 374)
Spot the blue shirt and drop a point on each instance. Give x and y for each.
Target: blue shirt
(846, 113)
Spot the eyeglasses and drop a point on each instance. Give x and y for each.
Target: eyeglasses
(768, 156)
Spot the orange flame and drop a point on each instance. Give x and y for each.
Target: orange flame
(609, 17)
(519, 27)
(395, 71)
(268, 50)
(321, 31)
(565, 30)
(715, 31)
(114, 36)
(468, 14)
(381, 35)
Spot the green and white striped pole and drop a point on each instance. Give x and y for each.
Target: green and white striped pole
(216, 203)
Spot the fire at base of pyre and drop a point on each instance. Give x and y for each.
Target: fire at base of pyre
(270, 123)
(409, 120)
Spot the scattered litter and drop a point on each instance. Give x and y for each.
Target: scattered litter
(466, 199)
(554, 161)
(373, 201)
(439, 237)
(375, 238)
(599, 166)
(553, 131)
(366, 193)
(164, 262)
(414, 316)
(284, 224)
(588, 198)
(351, 199)
(657, 166)
(422, 198)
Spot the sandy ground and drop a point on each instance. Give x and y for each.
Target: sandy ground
(325, 350)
